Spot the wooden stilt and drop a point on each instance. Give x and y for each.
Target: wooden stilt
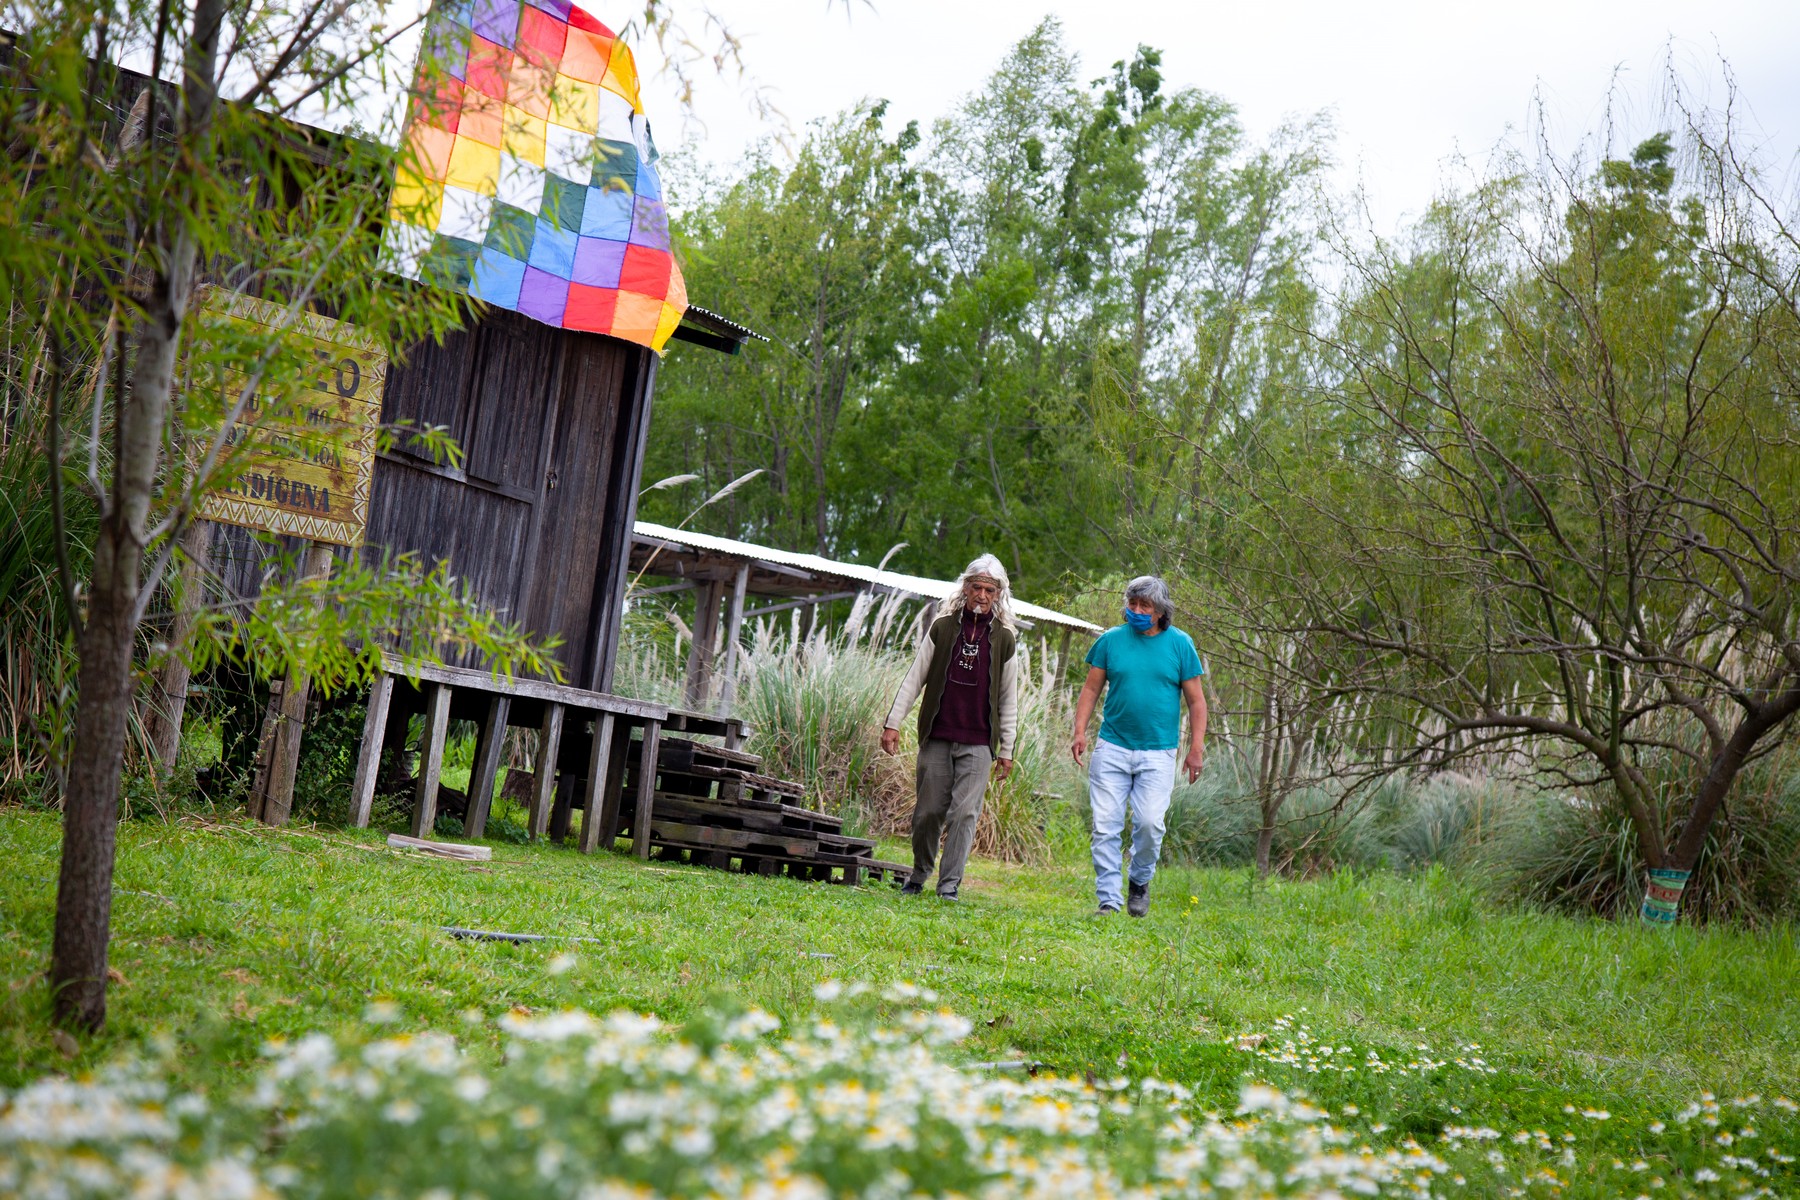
(613, 790)
(706, 642)
(431, 759)
(549, 744)
(368, 758)
(646, 790)
(488, 743)
(284, 760)
(600, 756)
(734, 627)
(562, 813)
(188, 593)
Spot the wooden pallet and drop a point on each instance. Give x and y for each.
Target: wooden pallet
(822, 866)
(715, 807)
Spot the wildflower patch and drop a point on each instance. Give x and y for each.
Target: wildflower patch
(864, 1098)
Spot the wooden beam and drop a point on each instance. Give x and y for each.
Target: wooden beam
(706, 642)
(624, 478)
(549, 744)
(1062, 659)
(368, 757)
(600, 755)
(163, 723)
(489, 741)
(431, 760)
(284, 762)
(465, 678)
(612, 792)
(562, 814)
(734, 628)
(766, 609)
(646, 790)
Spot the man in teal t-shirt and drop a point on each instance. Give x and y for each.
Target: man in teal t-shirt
(1147, 668)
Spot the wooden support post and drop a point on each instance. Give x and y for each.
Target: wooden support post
(284, 761)
(549, 745)
(488, 743)
(431, 760)
(265, 752)
(188, 594)
(1062, 658)
(594, 816)
(368, 757)
(706, 644)
(613, 790)
(562, 813)
(646, 790)
(734, 627)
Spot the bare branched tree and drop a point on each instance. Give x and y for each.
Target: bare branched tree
(1571, 414)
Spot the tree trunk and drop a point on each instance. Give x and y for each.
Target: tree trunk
(1666, 880)
(91, 800)
(1268, 752)
(1265, 838)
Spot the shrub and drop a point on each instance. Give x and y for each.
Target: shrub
(1578, 852)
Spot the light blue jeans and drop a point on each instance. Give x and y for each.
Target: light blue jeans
(1142, 780)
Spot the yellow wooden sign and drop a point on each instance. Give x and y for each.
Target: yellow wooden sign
(310, 468)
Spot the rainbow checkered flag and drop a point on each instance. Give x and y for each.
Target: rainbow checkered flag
(528, 178)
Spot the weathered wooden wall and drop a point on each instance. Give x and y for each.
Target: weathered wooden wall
(536, 518)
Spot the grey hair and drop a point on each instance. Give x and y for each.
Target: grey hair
(988, 567)
(1153, 589)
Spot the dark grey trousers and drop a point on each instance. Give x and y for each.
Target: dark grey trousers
(952, 779)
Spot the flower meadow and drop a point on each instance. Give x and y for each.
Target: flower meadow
(865, 1097)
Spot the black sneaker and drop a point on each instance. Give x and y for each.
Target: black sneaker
(912, 887)
(1137, 900)
(1107, 910)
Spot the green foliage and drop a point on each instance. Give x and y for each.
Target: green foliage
(975, 332)
(327, 769)
(336, 628)
(37, 662)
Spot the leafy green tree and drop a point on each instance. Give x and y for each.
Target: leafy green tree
(819, 257)
(126, 197)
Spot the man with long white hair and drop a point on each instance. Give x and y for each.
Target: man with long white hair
(1147, 668)
(967, 671)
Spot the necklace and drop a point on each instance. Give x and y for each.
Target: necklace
(965, 664)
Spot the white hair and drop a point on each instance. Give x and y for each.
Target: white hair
(985, 566)
(1153, 589)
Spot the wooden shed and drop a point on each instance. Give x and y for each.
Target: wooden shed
(537, 517)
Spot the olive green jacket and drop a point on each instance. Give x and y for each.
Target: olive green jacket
(930, 666)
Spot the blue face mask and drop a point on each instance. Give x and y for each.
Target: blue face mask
(1139, 621)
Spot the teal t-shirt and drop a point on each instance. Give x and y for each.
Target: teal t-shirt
(1144, 675)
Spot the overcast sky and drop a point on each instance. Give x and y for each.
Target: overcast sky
(1409, 83)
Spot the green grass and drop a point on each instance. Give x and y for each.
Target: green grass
(226, 935)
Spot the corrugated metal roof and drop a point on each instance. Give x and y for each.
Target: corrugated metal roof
(707, 319)
(914, 585)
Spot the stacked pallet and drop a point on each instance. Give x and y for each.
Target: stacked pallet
(715, 807)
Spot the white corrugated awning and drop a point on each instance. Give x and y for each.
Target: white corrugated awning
(651, 535)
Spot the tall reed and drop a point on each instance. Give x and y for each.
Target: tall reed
(37, 654)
